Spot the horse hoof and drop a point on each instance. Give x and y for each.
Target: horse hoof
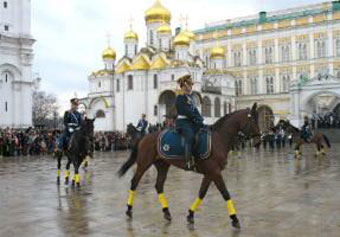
(129, 213)
(167, 215)
(235, 222)
(190, 218)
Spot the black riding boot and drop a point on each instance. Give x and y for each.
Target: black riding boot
(188, 158)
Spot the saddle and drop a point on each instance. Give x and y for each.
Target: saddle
(171, 144)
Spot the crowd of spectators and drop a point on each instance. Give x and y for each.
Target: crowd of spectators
(29, 142)
(16, 142)
(328, 120)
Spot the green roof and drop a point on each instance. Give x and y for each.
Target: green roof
(274, 18)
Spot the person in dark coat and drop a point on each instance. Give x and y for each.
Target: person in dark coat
(189, 119)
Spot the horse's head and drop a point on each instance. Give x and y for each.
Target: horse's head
(249, 125)
(88, 126)
(131, 130)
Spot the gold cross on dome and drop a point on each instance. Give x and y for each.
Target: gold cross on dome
(108, 38)
(131, 20)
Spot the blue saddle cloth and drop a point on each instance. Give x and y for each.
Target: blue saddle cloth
(171, 145)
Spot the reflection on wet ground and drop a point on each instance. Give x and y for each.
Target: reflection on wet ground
(275, 195)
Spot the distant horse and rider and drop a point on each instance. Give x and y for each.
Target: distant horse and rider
(76, 142)
(213, 143)
(304, 136)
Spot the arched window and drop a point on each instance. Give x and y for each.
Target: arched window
(155, 81)
(285, 83)
(100, 114)
(253, 86)
(6, 106)
(229, 108)
(130, 82)
(238, 87)
(217, 107)
(270, 84)
(151, 37)
(99, 84)
(155, 110)
(6, 77)
(126, 49)
(338, 47)
(206, 107)
(118, 86)
(5, 4)
(172, 77)
(225, 107)
(136, 49)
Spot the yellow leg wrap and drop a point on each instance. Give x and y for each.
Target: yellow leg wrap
(58, 172)
(196, 204)
(67, 173)
(77, 178)
(131, 197)
(162, 200)
(231, 209)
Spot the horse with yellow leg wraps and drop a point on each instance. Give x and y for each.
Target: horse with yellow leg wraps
(146, 152)
(317, 138)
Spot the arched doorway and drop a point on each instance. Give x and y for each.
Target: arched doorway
(266, 118)
(167, 103)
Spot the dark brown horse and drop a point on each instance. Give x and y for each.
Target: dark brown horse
(224, 131)
(317, 138)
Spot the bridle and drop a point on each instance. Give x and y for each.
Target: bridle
(245, 129)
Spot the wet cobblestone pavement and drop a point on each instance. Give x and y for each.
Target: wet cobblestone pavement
(274, 194)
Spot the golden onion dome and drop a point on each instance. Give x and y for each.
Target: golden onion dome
(157, 13)
(217, 52)
(109, 53)
(190, 34)
(131, 35)
(182, 40)
(164, 29)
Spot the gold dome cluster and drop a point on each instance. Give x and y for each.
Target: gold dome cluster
(164, 29)
(109, 53)
(190, 35)
(217, 52)
(157, 13)
(131, 35)
(181, 39)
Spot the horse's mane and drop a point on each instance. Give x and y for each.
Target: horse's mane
(293, 127)
(221, 121)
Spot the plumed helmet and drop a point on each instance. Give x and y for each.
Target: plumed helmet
(184, 80)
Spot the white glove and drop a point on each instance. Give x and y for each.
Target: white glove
(71, 130)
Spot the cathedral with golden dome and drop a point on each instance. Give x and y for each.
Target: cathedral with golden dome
(143, 81)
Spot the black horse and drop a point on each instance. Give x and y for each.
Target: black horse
(80, 146)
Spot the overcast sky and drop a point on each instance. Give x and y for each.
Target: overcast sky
(71, 34)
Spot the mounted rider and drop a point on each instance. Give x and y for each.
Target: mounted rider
(142, 124)
(189, 120)
(72, 121)
(306, 131)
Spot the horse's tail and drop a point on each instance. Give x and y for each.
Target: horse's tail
(130, 162)
(326, 140)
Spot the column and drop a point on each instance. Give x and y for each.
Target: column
(276, 50)
(294, 53)
(260, 52)
(311, 46)
(277, 81)
(245, 56)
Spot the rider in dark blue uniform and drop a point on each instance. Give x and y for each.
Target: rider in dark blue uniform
(306, 130)
(72, 120)
(189, 119)
(142, 124)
